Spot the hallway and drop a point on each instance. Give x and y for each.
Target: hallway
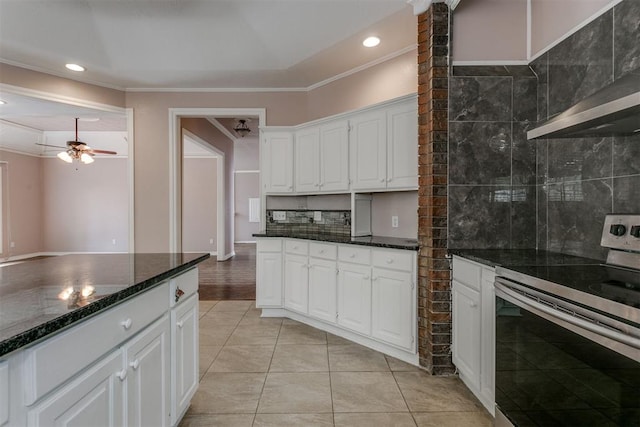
(233, 279)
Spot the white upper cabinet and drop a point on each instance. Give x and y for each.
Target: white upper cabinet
(368, 150)
(402, 146)
(384, 148)
(334, 156)
(307, 160)
(322, 158)
(277, 162)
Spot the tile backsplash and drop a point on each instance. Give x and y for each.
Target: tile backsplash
(301, 221)
(508, 192)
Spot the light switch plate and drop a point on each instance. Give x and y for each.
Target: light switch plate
(280, 215)
(394, 221)
(317, 216)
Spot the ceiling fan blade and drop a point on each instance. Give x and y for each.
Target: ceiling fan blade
(47, 145)
(102, 151)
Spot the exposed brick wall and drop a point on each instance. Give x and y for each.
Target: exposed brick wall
(434, 285)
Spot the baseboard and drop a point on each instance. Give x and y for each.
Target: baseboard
(227, 256)
(37, 254)
(245, 241)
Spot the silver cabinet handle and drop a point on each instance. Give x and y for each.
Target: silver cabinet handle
(135, 364)
(122, 374)
(180, 324)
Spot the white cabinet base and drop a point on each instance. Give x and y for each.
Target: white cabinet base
(405, 356)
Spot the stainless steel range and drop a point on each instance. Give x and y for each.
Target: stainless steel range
(568, 338)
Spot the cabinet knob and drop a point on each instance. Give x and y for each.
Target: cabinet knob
(375, 278)
(291, 187)
(366, 277)
(321, 251)
(179, 293)
(122, 374)
(135, 364)
(126, 324)
(389, 260)
(180, 324)
(473, 304)
(389, 179)
(352, 256)
(381, 179)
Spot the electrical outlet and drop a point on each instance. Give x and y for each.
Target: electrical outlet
(12, 244)
(113, 241)
(211, 241)
(394, 221)
(280, 215)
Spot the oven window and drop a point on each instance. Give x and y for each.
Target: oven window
(549, 376)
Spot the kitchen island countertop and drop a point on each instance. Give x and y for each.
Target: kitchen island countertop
(32, 304)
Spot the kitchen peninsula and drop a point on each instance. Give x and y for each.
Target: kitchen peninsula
(109, 338)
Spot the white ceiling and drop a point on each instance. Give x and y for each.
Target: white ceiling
(249, 44)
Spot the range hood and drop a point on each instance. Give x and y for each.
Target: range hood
(613, 110)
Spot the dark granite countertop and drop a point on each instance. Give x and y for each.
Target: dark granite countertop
(30, 308)
(376, 241)
(520, 257)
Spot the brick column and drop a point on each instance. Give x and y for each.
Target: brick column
(434, 285)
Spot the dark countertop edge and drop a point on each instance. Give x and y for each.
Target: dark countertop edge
(67, 320)
(353, 240)
(466, 253)
(487, 257)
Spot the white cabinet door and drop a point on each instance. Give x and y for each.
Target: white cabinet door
(307, 161)
(466, 332)
(94, 398)
(487, 327)
(277, 162)
(147, 362)
(354, 297)
(296, 282)
(334, 156)
(402, 146)
(185, 355)
(368, 155)
(392, 307)
(269, 279)
(322, 289)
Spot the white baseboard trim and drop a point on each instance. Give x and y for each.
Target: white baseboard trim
(214, 253)
(227, 256)
(244, 241)
(36, 254)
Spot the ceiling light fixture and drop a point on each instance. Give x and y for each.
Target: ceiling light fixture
(75, 67)
(242, 128)
(371, 41)
(77, 150)
(2, 102)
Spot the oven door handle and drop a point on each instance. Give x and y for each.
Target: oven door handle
(504, 290)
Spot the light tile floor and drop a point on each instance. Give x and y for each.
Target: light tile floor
(278, 372)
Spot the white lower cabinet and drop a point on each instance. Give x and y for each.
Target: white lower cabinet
(136, 364)
(392, 306)
(473, 323)
(95, 398)
(322, 289)
(296, 282)
(269, 273)
(354, 297)
(185, 356)
(364, 294)
(147, 367)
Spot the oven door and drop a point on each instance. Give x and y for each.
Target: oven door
(556, 367)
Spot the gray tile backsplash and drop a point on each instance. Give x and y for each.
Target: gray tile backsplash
(301, 222)
(506, 191)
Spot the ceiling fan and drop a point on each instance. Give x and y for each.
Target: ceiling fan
(77, 150)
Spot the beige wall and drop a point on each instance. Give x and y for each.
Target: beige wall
(404, 205)
(25, 209)
(552, 19)
(489, 30)
(199, 207)
(247, 185)
(34, 80)
(391, 79)
(203, 129)
(85, 207)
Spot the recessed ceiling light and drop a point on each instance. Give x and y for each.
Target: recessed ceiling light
(371, 41)
(75, 67)
(2, 102)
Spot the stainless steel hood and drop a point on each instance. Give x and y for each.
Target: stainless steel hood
(613, 110)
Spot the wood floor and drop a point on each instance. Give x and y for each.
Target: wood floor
(234, 279)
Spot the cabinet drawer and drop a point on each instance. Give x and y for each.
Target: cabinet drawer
(269, 245)
(396, 260)
(467, 272)
(298, 247)
(51, 363)
(323, 250)
(350, 253)
(187, 283)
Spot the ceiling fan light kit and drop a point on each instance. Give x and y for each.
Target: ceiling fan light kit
(78, 150)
